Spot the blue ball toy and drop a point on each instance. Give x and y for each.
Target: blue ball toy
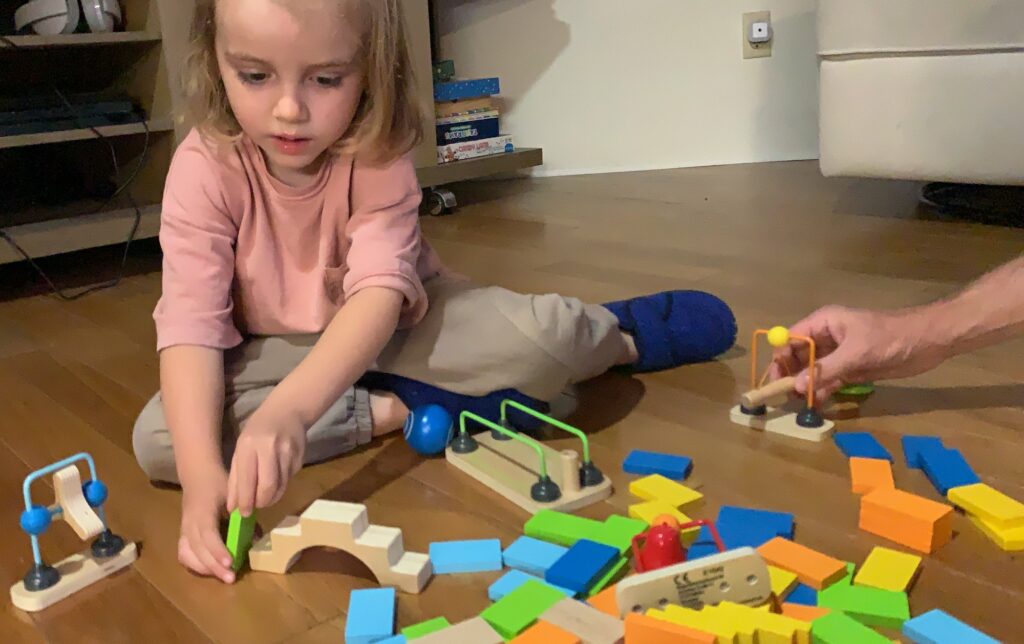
(36, 520)
(95, 493)
(429, 429)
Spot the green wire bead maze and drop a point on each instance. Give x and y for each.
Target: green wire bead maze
(524, 471)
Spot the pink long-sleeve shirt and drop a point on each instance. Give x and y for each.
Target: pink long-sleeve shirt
(245, 254)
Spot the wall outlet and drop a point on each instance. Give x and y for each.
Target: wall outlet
(757, 34)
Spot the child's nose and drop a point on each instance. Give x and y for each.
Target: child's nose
(290, 107)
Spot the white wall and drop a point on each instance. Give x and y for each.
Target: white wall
(611, 85)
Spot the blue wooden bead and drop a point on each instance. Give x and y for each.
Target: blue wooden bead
(95, 493)
(36, 520)
(429, 429)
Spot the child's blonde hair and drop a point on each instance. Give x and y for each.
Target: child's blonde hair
(387, 123)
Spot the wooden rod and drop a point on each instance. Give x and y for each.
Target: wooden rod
(773, 389)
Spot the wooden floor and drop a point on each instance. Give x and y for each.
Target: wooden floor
(775, 240)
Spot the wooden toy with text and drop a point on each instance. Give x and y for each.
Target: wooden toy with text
(525, 471)
(81, 507)
(766, 406)
(344, 526)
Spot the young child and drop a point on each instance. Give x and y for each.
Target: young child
(302, 313)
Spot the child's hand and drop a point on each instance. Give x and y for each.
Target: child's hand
(269, 452)
(200, 547)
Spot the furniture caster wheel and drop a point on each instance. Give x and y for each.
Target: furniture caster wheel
(440, 201)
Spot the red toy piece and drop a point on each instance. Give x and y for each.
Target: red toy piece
(662, 545)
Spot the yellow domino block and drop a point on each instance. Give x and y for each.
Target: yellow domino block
(782, 581)
(658, 487)
(724, 633)
(1006, 538)
(769, 628)
(888, 569)
(990, 504)
(648, 511)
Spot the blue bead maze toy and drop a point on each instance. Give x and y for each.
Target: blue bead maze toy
(81, 507)
(429, 429)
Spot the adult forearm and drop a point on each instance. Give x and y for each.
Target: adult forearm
(192, 387)
(987, 312)
(347, 348)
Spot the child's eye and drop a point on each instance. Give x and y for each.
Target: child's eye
(328, 81)
(253, 78)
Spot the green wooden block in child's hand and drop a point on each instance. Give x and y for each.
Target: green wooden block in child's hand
(240, 530)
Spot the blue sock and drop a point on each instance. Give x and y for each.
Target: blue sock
(415, 394)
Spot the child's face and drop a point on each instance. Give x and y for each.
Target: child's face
(292, 75)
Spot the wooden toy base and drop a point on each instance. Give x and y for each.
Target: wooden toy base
(739, 576)
(779, 420)
(76, 572)
(510, 468)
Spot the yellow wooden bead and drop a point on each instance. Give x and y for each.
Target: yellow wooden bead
(778, 336)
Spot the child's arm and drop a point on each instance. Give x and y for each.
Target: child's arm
(860, 345)
(194, 324)
(271, 449)
(382, 292)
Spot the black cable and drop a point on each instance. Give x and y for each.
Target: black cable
(60, 293)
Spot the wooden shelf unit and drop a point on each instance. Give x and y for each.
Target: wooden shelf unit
(139, 61)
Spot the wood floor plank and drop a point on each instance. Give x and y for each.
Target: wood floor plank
(774, 240)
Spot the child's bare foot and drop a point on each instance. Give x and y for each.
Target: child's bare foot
(388, 412)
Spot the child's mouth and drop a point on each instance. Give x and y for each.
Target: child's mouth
(291, 144)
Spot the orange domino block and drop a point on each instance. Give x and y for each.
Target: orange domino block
(546, 633)
(914, 521)
(810, 566)
(641, 629)
(802, 612)
(606, 602)
(868, 473)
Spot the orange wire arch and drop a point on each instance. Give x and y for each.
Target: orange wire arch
(810, 364)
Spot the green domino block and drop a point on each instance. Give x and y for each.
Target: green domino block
(845, 581)
(837, 628)
(425, 628)
(870, 606)
(609, 577)
(239, 538)
(559, 527)
(618, 531)
(514, 612)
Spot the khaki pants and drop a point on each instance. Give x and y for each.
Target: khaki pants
(474, 340)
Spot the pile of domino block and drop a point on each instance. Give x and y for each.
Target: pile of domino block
(559, 586)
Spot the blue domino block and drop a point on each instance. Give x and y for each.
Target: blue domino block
(780, 524)
(532, 555)
(915, 446)
(371, 615)
(514, 579)
(582, 565)
(700, 549)
(465, 556)
(937, 627)
(397, 639)
(803, 594)
(668, 465)
(947, 469)
(861, 444)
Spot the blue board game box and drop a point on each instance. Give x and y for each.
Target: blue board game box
(468, 127)
(458, 90)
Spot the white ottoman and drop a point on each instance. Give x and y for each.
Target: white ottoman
(929, 90)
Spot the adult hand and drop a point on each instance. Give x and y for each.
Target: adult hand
(857, 345)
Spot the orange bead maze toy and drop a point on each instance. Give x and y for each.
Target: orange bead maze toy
(767, 406)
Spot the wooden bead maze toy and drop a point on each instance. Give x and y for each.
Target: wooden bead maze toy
(81, 507)
(766, 406)
(525, 471)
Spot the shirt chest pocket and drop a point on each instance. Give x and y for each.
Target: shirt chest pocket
(334, 282)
